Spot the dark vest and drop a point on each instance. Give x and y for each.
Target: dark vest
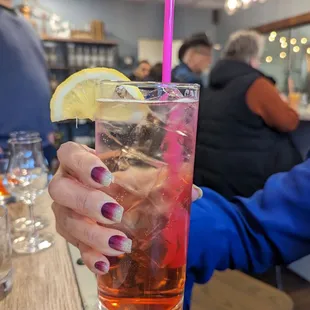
(236, 151)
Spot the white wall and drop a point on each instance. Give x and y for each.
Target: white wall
(189, 21)
(127, 22)
(260, 14)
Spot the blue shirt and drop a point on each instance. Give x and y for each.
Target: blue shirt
(183, 74)
(272, 227)
(24, 85)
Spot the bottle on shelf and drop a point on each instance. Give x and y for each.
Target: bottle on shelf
(71, 56)
(94, 57)
(46, 53)
(79, 57)
(110, 60)
(52, 56)
(87, 58)
(53, 83)
(102, 57)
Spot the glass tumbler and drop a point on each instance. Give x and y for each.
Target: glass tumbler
(145, 134)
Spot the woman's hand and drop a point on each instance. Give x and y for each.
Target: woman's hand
(82, 207)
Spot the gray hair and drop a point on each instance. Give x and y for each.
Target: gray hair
(244, 45)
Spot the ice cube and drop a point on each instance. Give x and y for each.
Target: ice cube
(159, 98)
(154, 94)
(163, 93)
(121, 92)
(173, 93)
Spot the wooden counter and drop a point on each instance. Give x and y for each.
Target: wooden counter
(44, 281)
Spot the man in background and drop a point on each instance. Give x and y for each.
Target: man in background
(141, 72)
(24, 84)
(244, 127)
(195, 57)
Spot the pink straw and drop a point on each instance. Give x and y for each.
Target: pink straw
(168, 38)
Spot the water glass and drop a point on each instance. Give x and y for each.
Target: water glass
(5, 253)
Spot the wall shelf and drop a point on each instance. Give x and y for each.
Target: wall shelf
(78, 41)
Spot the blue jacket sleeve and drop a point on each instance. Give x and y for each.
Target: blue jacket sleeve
(271, 227)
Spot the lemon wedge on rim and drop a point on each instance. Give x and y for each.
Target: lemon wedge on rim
(77, 97)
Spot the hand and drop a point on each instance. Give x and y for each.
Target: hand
(82, 206)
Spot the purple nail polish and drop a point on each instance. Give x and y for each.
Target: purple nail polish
(102, 176)
(112, 211)
(102, 266)
(120, 243)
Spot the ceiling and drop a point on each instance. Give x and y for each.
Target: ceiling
(208, 4)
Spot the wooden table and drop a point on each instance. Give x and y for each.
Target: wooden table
(46, 281)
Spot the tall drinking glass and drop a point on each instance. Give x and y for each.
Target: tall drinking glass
(145, 134)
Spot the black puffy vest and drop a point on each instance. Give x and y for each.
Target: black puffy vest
(236, 151)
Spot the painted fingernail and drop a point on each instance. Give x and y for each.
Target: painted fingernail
(120, 243)
(197, 192)
(102, 176)
(112, 211)
(102, 266)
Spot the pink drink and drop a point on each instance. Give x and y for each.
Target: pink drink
(151, 154)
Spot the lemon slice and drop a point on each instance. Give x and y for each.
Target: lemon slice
(76, 97)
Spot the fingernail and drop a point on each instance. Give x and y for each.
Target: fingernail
(198, 193)
(102, 266)
(120, 243)
(102, 176)
(112, 211)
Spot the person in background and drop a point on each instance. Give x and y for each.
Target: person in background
(141, 72)
(24, 84)
(244, 125)
(156, 73)
(195, 57)
(271, 227)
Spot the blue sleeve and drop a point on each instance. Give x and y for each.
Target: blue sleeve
(272, 227)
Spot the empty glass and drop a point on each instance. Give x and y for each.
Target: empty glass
(5, 253)
(24, 224)
(27, 177)
(24, 134)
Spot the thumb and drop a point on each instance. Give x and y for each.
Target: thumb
(196, 193)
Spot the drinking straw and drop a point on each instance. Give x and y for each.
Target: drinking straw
(171, 144)
(168, 38)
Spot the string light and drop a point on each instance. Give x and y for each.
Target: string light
(293, 41)
(284, 45)
(269, 59)
(217, 47)
(304, 41)
(282, 55)
(273, 34)
(282, 39)
(246, 3)
(296, 49)
(271, 39)
(232, 6)
(308, 50)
